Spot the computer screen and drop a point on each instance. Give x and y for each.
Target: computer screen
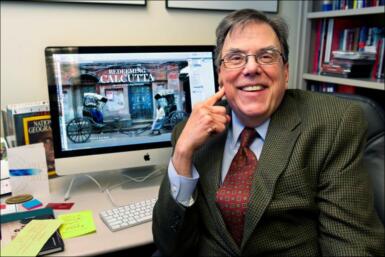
(114, 107)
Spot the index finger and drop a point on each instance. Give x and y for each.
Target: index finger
(215, 98)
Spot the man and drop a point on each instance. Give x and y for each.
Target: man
(160, 116)
(293, 186)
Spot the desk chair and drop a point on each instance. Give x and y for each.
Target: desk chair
(374, 149)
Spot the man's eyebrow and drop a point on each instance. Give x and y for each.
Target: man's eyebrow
(234, 50)
(269, 48)
(237, 50)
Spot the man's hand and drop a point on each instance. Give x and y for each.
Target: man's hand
(205, 119)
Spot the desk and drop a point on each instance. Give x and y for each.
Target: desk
(87, 196)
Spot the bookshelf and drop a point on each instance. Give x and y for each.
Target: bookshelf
(311, 61)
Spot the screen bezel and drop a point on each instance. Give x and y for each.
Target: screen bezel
(52, 90)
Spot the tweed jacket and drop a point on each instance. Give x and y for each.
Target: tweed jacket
(310, 194)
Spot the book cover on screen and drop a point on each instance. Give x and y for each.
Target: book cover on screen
(37, 129)
(13, 223)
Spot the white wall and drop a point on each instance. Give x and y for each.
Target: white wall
(27, 28)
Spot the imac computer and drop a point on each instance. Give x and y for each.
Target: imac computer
(114, 107)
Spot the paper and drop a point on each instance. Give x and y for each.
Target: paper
(8, 208)
(28, 170)
(76, 224)
(31, 238)
(5, 186)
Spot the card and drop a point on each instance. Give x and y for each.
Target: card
(34, 203)
(28, 170)
(60, 206)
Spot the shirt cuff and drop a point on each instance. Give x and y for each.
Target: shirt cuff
(182, 188)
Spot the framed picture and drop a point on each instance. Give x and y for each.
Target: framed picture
(128, 2)
(260, 5)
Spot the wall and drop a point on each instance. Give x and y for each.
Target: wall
(27, 28)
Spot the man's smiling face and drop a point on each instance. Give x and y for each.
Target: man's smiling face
(253, 91)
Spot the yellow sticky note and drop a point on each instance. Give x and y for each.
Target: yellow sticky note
(31, 238)
(76, 224)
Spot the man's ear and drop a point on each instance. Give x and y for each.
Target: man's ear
(220, 83)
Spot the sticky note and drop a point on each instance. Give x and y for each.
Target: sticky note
(76, 224)
(32, 204)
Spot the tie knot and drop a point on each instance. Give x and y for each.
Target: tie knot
(247, 136)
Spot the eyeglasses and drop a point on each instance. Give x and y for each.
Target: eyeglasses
(263, 57)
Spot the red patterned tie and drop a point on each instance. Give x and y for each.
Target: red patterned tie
(233, 196)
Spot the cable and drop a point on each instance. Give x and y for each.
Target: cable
(137, 180)
(67, 194)
(108, 189)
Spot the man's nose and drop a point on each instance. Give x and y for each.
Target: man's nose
(252, 66)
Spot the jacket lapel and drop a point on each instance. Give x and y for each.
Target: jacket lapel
(282, 134)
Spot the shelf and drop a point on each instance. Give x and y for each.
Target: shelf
(348, 12)
(364, 83)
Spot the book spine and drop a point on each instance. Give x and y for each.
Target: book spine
(322, 45)
(37, 128)
(356, 37)
(381, 47)
(362, 38)
(346, 89)
(350, 40)
(345, 39)
(317, 46)
(329, 38)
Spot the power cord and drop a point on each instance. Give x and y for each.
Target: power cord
(108, 190)
(67, 194)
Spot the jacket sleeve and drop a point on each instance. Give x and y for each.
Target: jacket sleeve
(175, 227)
(348, 223)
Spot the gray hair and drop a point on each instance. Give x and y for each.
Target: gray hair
(242, 18)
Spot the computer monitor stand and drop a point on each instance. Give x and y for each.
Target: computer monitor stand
(138, 175)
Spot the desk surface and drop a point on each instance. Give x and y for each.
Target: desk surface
(87, 196)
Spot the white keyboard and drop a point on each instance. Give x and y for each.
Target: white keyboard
(127, 216)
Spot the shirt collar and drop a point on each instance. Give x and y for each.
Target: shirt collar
(237, 128)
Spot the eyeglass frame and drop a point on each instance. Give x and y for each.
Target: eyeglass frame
(246, 59)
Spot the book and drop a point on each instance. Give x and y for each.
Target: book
(4, 172)
(13, 223)
(19, 121)
(354, 55)
(37, 129)
(352, 71)
(322, 44)
(328, 44)
(9, 133)
(317, 46)
(381, 52)
(16, 112)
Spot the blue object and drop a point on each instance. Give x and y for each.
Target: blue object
(97, 115)
(327, 5)
(23, 172)
(32, 204)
